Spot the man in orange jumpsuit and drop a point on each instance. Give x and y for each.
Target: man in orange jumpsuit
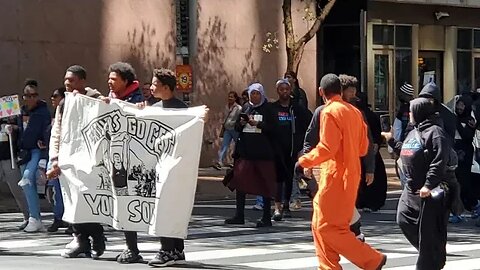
(343, 140)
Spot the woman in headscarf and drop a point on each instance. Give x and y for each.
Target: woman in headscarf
(254, 168)
(422, 212)
(372, 196)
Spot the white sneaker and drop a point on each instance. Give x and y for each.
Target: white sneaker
(34, 225)
(72, 244)
(23, 225)
(361, 237)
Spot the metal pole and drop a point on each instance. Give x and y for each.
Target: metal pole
(12, 156)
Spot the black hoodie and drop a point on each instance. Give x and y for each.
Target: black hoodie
(449, 119)
(425, 151)
(463, 142)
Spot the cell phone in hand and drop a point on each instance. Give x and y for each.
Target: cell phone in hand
(244, 116)
(385, 123)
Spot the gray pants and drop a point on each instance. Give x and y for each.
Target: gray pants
(11, 177)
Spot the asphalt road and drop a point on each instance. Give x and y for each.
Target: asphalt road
(212, 245)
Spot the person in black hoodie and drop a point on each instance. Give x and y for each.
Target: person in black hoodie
(299, 96)
(465, 132)
(33, 139)
(293, 122)
(372, 196)
(254, 168)
(422, 209)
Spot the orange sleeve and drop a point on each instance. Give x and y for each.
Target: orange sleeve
(330, 139)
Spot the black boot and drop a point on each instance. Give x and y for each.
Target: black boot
(98, 246)
(79, 250)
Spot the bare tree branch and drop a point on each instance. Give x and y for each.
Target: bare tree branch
(318, 22)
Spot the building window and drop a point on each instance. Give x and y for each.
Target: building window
(464, 39)
(464, 71)
(381, 82)
(403, 36)
(403, 67)
(476, 39)
(383, 34)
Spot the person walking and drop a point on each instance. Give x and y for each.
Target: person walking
(32, 143)
(422, 212)
(343, 140)
(292, 122)
(10, 128)
(228, 132)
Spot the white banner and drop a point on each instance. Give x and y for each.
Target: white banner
(135, 170)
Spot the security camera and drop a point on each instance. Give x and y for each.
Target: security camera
(440, 15)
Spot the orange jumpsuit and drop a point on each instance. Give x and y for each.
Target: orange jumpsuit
(343, 140)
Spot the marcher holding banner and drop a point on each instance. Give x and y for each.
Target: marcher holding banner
(163, 86)
(75, 80)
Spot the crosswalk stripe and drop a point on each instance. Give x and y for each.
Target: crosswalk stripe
(467, 264)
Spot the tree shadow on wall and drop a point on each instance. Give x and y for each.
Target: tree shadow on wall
(145, 51)
(249, 72)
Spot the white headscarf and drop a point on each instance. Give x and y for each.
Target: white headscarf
(282, 81)
(256, 87)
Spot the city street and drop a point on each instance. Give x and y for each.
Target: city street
(212, 245)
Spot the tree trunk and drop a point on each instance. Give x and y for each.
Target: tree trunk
(294, 57)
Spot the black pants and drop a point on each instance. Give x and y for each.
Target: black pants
(85, 230)
(267, 215)
(467, 192)
(285, 173)
(132, 240)
(171, 244)
(424, 224)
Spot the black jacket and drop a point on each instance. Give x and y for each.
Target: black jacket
(425, 162)
(299, 124)
(257, 146)
(37, 127)
(463, 144)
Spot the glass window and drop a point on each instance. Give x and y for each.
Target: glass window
(381, 82)
(476, 39)
(464, 72)
(403, 36)
(464, 39)
(477, 73)
(383, 34)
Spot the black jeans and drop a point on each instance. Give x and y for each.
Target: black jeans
(171, 244)
(424, 224)
(240, 212)
(85, 230)
(132, 241)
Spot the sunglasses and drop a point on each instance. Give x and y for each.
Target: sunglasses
(28, 96)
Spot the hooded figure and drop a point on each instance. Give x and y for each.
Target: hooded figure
(432, 92)
(464, 134)
(374, 195)
(422, 212)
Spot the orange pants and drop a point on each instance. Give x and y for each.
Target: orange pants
(332, 236)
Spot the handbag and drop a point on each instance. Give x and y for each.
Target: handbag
(227, 179)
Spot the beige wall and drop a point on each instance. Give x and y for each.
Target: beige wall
(40, 39)
(229, 56)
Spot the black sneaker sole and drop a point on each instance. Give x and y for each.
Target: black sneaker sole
(158, 264)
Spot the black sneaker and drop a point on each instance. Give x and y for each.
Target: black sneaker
(179, 257)
(235, 220)
(261, 223)
(162, 259)
(98, 246)
(56, 225)
(277, 215)
(129, 256)
(80, 250)
(69, 230)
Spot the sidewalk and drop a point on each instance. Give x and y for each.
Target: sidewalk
(209, 187)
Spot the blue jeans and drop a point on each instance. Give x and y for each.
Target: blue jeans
(228, 136)
(58, 207)
(29, 172)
